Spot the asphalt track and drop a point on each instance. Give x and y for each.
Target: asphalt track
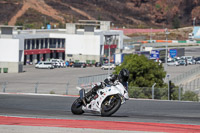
(134, 115)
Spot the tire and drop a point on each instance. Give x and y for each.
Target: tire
(108, 110)
(76, 107)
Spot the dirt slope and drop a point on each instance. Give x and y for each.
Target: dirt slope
(38, 5)
(126, 13)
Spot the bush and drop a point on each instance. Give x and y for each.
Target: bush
(52, 92)
(146, 92)
(176, 22)
(190, 96)
(158, 7)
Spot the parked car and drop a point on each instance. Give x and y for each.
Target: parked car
(182, 62)
(197, 59)
(187, 57)
(173, 63)
(79, 64)
(108, 66)
(58, 63)
(198, 62)
(44, 64)
(97, 64)
(191, 61)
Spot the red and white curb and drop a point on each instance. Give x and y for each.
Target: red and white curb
(105, 125)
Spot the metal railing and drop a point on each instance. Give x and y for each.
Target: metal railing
(67, 89)
(37, 87)
(87, 81)
(184, 76)
(193, 85)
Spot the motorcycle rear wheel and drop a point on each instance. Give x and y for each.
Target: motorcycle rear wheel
(76, 107)
(110, 105)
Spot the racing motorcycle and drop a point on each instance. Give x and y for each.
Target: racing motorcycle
(106, 101)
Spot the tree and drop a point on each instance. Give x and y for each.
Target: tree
(143, 72)
(176, 22)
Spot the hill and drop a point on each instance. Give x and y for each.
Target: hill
(126, 13)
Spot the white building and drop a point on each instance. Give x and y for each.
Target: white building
(84, 41)
(11, 54)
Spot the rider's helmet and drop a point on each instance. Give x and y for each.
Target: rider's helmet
(123, 75)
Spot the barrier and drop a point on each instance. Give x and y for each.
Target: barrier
(88, 80)
(185, 76)
(182, 41)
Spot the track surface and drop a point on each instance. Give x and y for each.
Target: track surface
(59, 107)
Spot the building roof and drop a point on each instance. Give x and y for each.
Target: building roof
(10, 26)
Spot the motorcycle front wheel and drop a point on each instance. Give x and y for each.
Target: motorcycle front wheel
(110, 105)
(76, 107)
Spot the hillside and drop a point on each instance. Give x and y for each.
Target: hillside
(126, 13)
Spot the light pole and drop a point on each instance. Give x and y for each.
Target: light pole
(151, 36)
(168, 84)
(166, 47)
(153, 90)
(44, 21)
(108, 41)
(194, 19)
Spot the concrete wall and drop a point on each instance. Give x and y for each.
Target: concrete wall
(9, 55)
(12, 67)
(87, 46)
(9, 50)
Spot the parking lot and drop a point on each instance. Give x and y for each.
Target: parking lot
(47, 81)
(174, 71)
(64, 80)
(59, 80)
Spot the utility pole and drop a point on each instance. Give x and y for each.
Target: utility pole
(194, 19)
(151, 36)
(166, 47)
(108, 41)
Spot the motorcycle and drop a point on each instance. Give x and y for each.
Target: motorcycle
(106, 101)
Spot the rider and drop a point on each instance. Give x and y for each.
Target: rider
(122, 77)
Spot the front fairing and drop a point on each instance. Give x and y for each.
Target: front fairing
(95, 104)
(122, 90)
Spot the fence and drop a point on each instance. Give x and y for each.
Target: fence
(155, 93)
(50, 87)
(87, 81)
(143, 92)
(38, 87)
(182, 77)
(64, 88)
(193, 85)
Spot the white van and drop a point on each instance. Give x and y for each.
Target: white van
(187, 57)
(45, 64)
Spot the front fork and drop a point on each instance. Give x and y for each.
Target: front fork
(82, 96)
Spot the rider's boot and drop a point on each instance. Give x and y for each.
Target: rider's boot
(90, 94)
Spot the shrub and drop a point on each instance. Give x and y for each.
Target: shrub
(52, 92)
(190, 96)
